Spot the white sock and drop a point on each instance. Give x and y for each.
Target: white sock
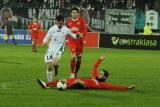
(49, 76)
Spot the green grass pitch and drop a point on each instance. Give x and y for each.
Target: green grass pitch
(19, 69)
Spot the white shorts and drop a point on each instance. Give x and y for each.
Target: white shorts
(49, 57)
(52, 54)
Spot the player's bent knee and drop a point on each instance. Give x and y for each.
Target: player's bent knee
(73, 56)
(55, 61)
(79, 58)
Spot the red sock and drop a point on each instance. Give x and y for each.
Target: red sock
(53, 83)
(33, 46)
(72, 65)
(78, 64)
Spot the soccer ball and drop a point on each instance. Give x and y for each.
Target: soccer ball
(61, 85)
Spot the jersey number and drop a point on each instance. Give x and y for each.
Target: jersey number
(48, 57)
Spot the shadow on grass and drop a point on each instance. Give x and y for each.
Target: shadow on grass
(10, 62)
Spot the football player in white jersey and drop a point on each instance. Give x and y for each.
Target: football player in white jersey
(55, 38)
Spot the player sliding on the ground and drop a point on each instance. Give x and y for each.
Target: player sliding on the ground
(55, 37)
(97, 81)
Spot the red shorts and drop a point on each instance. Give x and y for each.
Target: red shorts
(34, 36)
(76, 49)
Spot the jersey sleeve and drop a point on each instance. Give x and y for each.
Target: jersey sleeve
(71, 34)
(47, 37)
(95, 67)
(84, 26)
(39, 26)
(85, 29)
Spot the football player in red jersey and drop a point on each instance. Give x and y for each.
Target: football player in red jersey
(34, 28)
(97, 81)
(76, 24)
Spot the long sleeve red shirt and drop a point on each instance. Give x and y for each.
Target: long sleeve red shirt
(93, 83)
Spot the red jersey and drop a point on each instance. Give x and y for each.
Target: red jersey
(77, 25)
(89, 83)
(34, 27)
(70, 81)
(92, 83)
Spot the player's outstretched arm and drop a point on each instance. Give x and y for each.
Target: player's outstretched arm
(102, 57)
(98, 62)
(95, 67)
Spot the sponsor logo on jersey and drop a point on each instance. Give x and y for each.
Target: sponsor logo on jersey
(69, 24)
(78, 23)
(35, 29)
(74, 29)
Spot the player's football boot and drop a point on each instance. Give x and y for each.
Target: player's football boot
(42, 83)
(131, 87)
(72, 75)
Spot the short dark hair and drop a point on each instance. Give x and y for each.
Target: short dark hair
(105, 72)
(103, 79)
(75, 8)
(148, 23)
(59, 18)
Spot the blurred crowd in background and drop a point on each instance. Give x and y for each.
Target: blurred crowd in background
(46, 10)
(89, 4)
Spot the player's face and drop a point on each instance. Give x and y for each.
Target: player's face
(74, 14)
(59, 24)
(101, 74)
(34, 20)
